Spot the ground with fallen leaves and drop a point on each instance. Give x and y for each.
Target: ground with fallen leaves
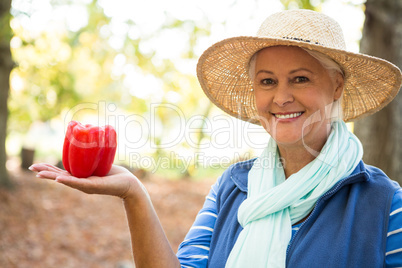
(45, 224)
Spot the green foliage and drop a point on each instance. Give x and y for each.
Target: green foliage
(59, 68)
(111, 59)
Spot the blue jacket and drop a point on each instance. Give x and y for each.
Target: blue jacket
(347, 228)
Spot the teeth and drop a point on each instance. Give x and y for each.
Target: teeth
(285, 116)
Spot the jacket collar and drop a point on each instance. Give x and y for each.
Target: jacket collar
(239, 174)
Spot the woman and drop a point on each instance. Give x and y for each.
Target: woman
(308, 200)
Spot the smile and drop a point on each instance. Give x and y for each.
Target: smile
(286, 116)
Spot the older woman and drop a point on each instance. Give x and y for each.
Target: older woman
(308, 200)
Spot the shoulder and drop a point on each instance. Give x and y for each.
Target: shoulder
(237, 175)
(370, 188)
(367, 187)
(378, 178)
(233, 184)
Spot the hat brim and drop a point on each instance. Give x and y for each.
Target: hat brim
(222, 70)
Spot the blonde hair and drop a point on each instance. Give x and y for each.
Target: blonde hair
(329, 64)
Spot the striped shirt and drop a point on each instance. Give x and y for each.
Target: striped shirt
(194, 250)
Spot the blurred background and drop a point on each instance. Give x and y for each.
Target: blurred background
(132, 64)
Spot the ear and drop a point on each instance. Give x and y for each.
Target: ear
(339, 84)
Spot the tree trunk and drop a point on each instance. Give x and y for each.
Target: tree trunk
(6, 65)
(381, 133)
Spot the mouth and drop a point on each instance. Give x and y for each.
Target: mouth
(288, 115)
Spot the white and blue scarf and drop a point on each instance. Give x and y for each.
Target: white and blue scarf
(275, 203)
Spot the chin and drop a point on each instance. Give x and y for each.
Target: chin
(289, 141)
(288, 133)
(282, 136)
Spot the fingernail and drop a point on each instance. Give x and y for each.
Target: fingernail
(31, 168)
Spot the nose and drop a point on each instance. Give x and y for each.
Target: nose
(283, 95)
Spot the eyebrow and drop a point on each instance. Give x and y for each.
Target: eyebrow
(264, 71)
(300, 69)
(291, 72)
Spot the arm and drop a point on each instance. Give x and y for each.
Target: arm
(194, 250)
(393, 257)
(149, 243)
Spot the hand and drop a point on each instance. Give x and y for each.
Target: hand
(151, 247)
(119, 182)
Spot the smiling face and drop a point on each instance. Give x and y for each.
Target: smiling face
(294, 95)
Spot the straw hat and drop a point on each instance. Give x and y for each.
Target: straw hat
(370, 83)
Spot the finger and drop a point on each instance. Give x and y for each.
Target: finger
(47, 175)
(37, 167)
(44, 166)
(54, 168)
(40, 166)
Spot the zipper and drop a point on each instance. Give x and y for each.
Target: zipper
(349, 180)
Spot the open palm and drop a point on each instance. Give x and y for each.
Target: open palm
(119, 182)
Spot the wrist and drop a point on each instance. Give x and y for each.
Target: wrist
(136, 195)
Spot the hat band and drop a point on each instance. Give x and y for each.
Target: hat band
(301, 39)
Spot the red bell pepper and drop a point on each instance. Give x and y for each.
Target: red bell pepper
(89, 150)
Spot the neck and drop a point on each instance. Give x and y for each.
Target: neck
(294, 158)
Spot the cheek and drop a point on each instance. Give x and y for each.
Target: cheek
(262, 106)
(325, 107)
(316, 99)
(261, 102)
